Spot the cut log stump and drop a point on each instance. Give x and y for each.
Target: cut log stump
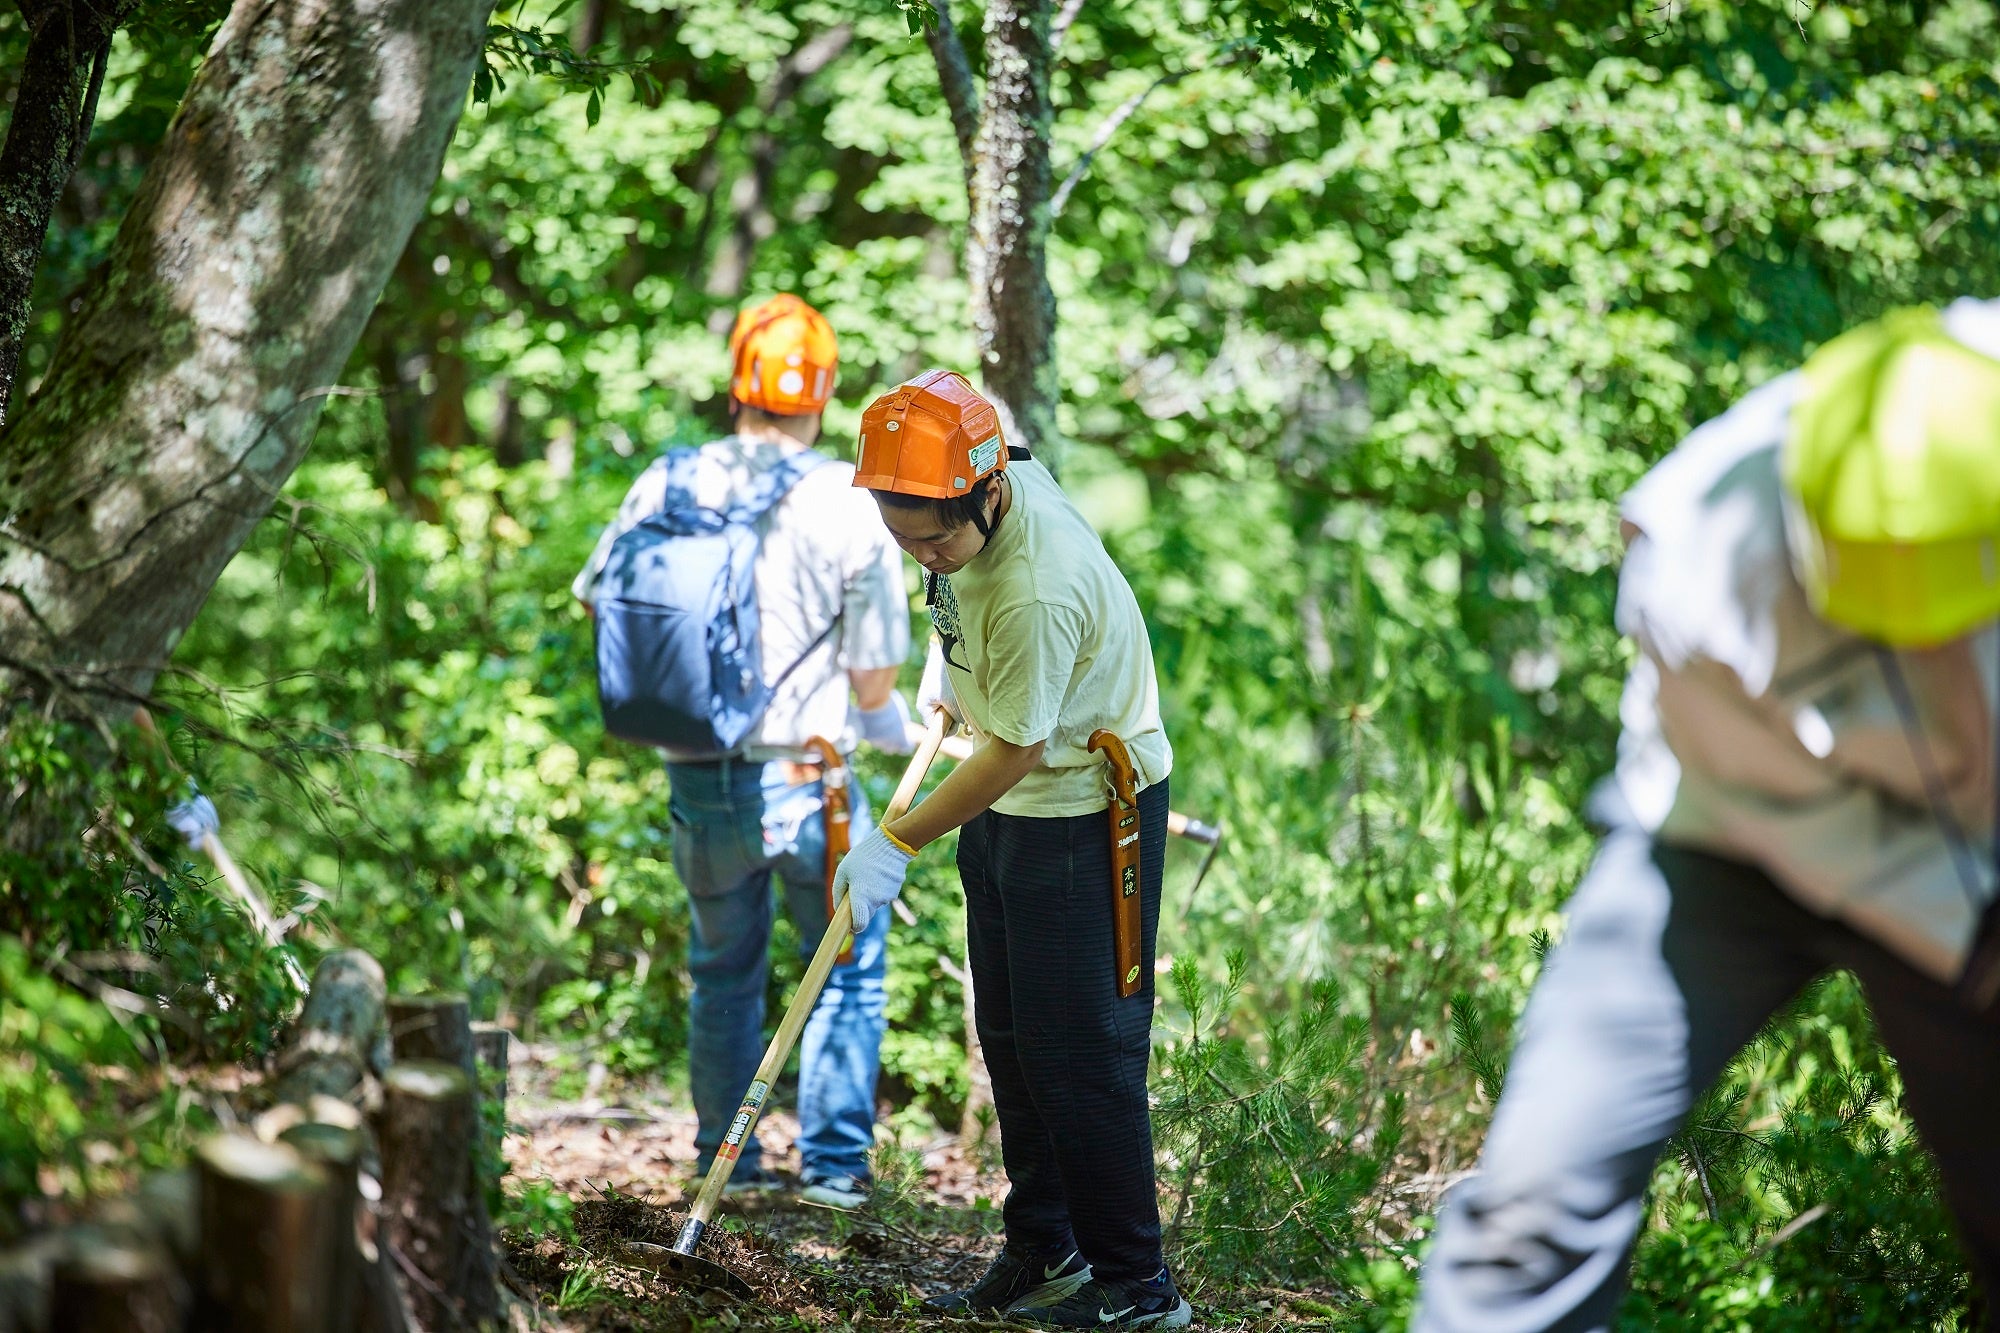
(433, 1027)
(436, 1217)
(337, 1152)
(493, 1045)
(108, 1281)
(266, 1255)
(339, 1040)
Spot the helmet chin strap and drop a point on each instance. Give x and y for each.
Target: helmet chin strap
(986, 528)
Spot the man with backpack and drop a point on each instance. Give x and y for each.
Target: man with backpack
(743, 592)
(1806, 781)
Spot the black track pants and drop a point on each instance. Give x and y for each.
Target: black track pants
(1067, 1056)
(1672, 961)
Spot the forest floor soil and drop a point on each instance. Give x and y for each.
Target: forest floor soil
(626, 1164)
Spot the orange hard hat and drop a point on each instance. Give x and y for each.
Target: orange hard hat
(934, 436)
(783, 356)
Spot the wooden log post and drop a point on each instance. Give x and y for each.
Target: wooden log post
(433, 1027)
(266, 1257)
(437, 1227)
(112, 1281)
(336, 1150)
(24, 1284)
(339, 1041)
(493, 1046)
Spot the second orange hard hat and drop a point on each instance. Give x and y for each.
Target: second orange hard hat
(783, 358)
(933, 436)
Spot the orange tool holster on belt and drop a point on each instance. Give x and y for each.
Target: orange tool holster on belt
(834, 778)
(1126, 929)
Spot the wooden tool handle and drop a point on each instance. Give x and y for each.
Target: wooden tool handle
(807, 995)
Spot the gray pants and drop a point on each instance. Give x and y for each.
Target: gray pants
(1672, 961)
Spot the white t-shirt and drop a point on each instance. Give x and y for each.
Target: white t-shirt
(825, 554)
(1045, 643)
(1753, 728)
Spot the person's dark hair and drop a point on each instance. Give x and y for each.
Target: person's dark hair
(950, 515)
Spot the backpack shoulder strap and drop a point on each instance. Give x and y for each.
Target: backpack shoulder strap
(678, 490)
(774, 485)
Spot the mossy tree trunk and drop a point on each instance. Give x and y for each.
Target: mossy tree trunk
(1005, 140)
(185, 389)
(69, 42)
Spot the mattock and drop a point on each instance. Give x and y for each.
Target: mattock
(681, 1263)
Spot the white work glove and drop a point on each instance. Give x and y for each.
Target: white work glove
(871, 876)
(934, 690)
(194, 819)
(886, 728)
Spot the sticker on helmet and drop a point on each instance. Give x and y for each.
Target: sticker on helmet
(985, 457)
(791, 382)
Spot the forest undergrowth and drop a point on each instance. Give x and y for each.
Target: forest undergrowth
(1352, 378)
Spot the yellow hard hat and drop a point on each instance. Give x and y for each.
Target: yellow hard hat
(1891, 471)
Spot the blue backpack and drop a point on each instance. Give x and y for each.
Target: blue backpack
(678, 664)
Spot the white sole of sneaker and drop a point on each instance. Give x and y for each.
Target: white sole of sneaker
(827, 1198)
(1179, 1317)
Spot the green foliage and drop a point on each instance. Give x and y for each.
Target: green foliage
(520, 44)
(535, 1209)
(1275, 1143)
(54, 1098)
(1798, 1195)
(115, 955)
(1359, 344)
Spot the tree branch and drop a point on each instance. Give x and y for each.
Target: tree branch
(1060, 28)
(88, 116)
(1123, 114)
(955, 79)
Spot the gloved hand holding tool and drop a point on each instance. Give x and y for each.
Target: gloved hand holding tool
(196, 820)
(681, 1262)
(872, 874)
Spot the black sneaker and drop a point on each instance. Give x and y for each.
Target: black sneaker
(1113, 1303)
(1016, 1282)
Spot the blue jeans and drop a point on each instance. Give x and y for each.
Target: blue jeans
(736, 824)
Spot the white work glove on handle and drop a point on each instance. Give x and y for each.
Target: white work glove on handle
(934, 690)
(871, 876)
(886, 728)
(194, 819)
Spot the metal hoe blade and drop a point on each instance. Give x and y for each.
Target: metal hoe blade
(687, 1269)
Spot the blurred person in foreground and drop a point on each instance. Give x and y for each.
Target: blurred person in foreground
(832, 618)
(1805, 781)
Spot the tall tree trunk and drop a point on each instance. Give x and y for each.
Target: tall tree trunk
(185, 390)
(750, 196)
(68, 43)
(588, 28)
(1008, 180)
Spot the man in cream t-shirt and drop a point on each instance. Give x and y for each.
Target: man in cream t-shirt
(1040, 644)
(1063, 648)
